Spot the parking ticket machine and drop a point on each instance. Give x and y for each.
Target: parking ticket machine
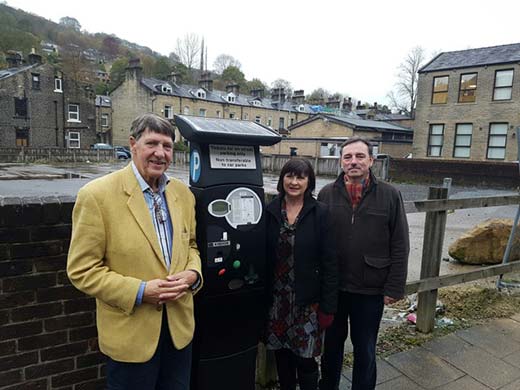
(226, 179)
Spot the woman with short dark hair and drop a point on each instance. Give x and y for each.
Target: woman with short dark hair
(302, 276)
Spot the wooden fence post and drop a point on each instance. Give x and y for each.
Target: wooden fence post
(434, 228)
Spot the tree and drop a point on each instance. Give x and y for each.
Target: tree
(256, 84)
(162, 68)
(70, 22)
(224, 61)
(188, 49)
(76, 67)
(110, 45)
(286, 85)
(117, 73)
(233, 75)
(405, 96)
(317, 96)
(184, 75)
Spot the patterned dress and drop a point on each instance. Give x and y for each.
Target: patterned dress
(289, 325)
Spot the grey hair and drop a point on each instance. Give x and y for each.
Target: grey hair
(152, 122)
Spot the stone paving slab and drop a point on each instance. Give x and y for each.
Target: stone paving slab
(424, 368)
(508, 327)
(513, 359)
(464, 383)
(385, 372)
(512, 386)
(493, 339)
(516, 317)
(399, 383)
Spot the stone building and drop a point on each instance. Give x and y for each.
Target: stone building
(321, 136)
(40, 107)
(104, 119)
(137, 95)
(468, 105)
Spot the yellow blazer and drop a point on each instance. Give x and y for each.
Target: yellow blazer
(114, 247)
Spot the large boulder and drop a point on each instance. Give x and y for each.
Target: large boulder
(486, 243)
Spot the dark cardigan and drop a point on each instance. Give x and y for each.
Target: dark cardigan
(315, 264)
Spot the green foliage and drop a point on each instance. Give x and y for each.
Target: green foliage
(233, 75)
(161, 68)
(101, 88)
(184, 75)
(117, 73)
(257, 84)
(180, 146)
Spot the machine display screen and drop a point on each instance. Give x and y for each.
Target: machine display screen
(219, 208)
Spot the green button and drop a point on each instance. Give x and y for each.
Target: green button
(236, 264)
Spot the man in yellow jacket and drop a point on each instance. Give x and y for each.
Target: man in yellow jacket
(133, 248)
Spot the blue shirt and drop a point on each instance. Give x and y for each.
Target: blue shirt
(160, 215)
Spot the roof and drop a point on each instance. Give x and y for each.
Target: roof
(103, 101)
(190, 91)
(5, 73)
(493, 55)
(357, 124)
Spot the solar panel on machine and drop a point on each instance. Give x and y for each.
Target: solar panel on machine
(229, 126)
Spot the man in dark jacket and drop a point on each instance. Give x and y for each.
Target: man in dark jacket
(371, 234)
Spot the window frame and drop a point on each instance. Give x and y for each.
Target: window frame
(21, 134)
(35, 81)
(468, 89)
(69, 112)
(258, 119)
(21, 112)
(58, 88)
(495, 136)
(202, 112)
(456, 138)
(281, 123)
(430, 145)
(510, 87)
(104, 120)
(434, 92)
(168, 111)
(70, 140)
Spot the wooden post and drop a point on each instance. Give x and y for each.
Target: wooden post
(434, 228)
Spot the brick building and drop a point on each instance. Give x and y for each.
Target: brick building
(468, 105)
(104, 119)
(137, 95)
(321, 135)
(40, 106)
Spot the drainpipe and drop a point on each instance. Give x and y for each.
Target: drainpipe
(56, 127)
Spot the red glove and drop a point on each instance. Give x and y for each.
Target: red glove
(324, 319)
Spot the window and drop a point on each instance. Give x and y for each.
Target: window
(20, 107)
(74, 140)
(231, 115)
(440, 90)
(256, 103)
(246, 116)
(219, 114)
(281, 123)
(435, 140)
(258, 119)
(202, 112)
(270, 121)
(165, 88)
(35, 81)
(301, 108)
(292, 121)
(497, 141)
(58, 85)
(201, 94)
(186, 110)
(104, 120)
(231, 98)
(503, 84)
(73, 113)
(168, 112)
(22, 137)
(468, 88)
(462, 145)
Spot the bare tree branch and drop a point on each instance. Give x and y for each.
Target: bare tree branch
(224, 61)
(406, 87)
(188, 48)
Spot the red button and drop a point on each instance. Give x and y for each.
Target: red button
(222, 272)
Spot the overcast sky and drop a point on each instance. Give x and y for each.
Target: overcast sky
(351, 47)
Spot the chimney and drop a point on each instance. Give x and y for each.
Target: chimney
(14, 59)
(359, 106)
(235, 88)
(278, 95)
(332, 102)
(257, 93)
(34, 58)
(134, 70)
(347, 104)
(375, 106)
(206, 82)
(172, 78)
(298, 97)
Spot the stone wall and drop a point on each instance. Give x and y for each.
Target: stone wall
(48, 337)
